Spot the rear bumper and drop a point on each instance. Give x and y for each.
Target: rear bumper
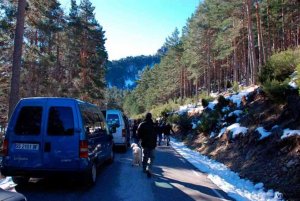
(120, 144)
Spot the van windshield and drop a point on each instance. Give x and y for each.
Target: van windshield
(112, 119)
(29, 121)
(60, 121)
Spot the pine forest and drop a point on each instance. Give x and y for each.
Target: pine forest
(224, 43)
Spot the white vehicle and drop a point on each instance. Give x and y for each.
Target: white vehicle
(118, 122)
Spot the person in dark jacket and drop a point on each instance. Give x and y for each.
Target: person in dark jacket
(146, 133)
(159, 132)
(167, 131)
(134, 132)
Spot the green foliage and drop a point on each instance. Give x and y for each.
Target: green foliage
(235, 87)
(297, 80)
(276, 90)
(280, 66)
(161, 110)
(174, 119)
(222, 102)
(130, 105)
(208, 121)
(183, 121)
(204, 102)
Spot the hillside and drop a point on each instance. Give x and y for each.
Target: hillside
(124, 72)
(252, 136)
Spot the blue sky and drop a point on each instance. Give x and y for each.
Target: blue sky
(136, 27)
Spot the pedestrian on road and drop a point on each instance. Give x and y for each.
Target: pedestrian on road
(134, 131)
(167, 132)
(159, 132)
(146, 133)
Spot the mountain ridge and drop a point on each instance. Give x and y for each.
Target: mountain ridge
(124, 72)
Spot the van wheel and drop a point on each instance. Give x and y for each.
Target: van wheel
(92, 175)
(20, 180)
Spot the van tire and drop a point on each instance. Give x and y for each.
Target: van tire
(20, 180)
(91, 175)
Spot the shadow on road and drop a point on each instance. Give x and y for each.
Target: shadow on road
(175, 179)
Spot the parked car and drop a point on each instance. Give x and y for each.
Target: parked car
(55, 136)
(117, 121)
(11, 196)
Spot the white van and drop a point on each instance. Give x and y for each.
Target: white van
(116, 119)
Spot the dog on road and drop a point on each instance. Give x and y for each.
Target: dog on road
(137, 155)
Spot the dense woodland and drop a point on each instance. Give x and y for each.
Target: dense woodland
(63, 55)
(224, 43)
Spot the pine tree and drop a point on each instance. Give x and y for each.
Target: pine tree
(17, 56)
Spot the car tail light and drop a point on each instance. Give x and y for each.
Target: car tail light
(123, 132)
(83, 149)
(4, 151)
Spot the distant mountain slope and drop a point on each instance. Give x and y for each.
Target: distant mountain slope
(124, 72)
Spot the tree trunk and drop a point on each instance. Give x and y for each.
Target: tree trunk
(283, 38)
(269, 29)
(259, 36)
(17, 55)
(235, 68)
(251, 43)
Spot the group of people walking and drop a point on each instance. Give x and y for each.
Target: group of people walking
(162, 129)
(146, 133)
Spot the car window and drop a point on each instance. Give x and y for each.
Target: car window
(93, 123)
(112, 119)
(60, 121)
(29, 121)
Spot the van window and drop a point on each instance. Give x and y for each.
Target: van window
(94, 124)
(29, 121)
(60, 121)
(113, 119)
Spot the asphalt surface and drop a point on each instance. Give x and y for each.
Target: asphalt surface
(173, 179)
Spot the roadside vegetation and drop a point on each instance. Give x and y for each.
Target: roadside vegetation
(255, 133)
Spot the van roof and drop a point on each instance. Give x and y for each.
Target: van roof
(52, 98)
(113, 111)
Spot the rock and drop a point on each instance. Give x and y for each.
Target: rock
(284, 169)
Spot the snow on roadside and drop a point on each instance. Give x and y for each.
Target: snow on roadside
(287, 133)
(235, 129)
(225, 179)
(237, 98)
(212, 104)
(263, 133)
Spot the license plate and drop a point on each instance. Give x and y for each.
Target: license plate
(25, 146)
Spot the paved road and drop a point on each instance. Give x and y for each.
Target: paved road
(174, 179)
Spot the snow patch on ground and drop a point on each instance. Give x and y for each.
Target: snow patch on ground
(212, 104)
(235, 129)
(263, 133)
(237, 98)
(287, 133)
(225, 179)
